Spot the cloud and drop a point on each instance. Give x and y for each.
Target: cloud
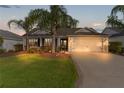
(9, 6)
(97, 24)
(5, 6)
(16, 6)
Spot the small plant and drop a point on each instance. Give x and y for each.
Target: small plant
(33, 50)
(11, 50)
(63, 48)
(2, 50)
(58, 49)
(45, 48)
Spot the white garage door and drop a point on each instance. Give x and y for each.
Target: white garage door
(85, 44)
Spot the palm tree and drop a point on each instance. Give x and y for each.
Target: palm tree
(113, 20)
(26, 25)
(52, 20)
(116, 9)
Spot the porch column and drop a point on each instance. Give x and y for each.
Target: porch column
(24, 43)
(58, 42)
(40, 42)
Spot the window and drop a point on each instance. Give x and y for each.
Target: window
(33, 42)
(47, 42)
(64, 42)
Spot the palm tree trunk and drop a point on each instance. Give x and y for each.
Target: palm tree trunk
(53, 40)
(53, 44)
(27, 42)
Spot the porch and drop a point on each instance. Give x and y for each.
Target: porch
(61, 43)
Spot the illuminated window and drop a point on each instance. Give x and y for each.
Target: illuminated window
(47, 42)
(33, 42)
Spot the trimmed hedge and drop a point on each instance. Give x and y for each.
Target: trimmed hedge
(115, 47)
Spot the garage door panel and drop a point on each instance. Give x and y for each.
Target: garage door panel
(85, 44)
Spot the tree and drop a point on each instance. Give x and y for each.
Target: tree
(51, 20)
(26, 25)
(1, 40)
(116, 9)
(113, 20)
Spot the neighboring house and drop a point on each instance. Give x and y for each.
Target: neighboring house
(73, 39)
(10, 39)
(111, 31)
(115, 34)
(118, 38)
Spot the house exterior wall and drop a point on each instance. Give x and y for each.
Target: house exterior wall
(9, 44)
(117, 39)
(83, 43)
(24, 41)
(87, 44)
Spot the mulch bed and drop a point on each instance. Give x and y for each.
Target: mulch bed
(11, 54)
(44, 54)
(55, 55)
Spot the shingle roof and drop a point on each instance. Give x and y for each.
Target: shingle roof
(111, 31)
(67, 31)
(118, 34)
(77, 31)
(9, 35)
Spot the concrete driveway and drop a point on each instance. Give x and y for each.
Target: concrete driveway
(99, 70)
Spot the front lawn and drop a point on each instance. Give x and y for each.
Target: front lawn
(33, 70)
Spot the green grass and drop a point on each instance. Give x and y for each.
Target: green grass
(33, 70)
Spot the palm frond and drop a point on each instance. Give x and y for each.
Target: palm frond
(16, 22)
(118, 8)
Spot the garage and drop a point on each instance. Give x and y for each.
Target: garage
(88, 43)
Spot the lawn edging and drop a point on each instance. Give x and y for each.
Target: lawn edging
(79, 73)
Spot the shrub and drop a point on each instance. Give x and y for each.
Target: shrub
(2, 50)
(122, 49)
(1, 41)
(115, 47)
(18, 47)
(46, 48)
(33, 50)
(58, 49)
(63, 48)
(11, 51)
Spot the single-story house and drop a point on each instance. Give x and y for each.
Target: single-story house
(115, 34)
(111, 31)
(73, 39)
(118, 38)
(10, 39)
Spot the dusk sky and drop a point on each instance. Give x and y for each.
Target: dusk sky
(88, 15)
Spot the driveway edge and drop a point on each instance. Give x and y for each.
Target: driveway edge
(79, 72)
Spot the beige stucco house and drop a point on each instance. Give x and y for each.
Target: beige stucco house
(72, 39)
(10, 39)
